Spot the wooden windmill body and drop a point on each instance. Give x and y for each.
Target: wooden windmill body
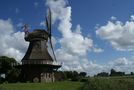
(37, 64)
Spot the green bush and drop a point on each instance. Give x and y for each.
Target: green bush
(75, 78)
(83, 80)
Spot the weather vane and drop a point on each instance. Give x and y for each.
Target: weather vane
(25, 29)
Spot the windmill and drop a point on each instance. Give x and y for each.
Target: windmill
(49, 30)
(37, 63)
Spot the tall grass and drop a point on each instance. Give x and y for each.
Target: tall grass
(111, 83)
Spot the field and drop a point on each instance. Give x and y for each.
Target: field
(67, 85)
(110, 83)
(97, 83)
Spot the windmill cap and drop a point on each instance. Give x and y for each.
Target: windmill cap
(37, 34)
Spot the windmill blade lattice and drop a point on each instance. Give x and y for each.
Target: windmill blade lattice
(48, 23)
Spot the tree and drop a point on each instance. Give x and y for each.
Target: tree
(115, 73)
(82, 74)
(60, 75)
(7, 67)
(131, 73)
(13, 75)
(71, 75)
(103, 74)
(6, 64)
(75, 76)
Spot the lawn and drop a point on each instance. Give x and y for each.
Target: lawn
(66, 85)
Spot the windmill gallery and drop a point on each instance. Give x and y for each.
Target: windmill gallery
(37, 64)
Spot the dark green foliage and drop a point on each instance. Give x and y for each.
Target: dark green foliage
(75, 76)
(72, 75)
(82, 74)
(60, 76)
(103, 74)
(115, 73)
(67, 75)
(131, 73)
(7, 67)
(84, 80)
(6, 64)
(13, 75)
(1, 80)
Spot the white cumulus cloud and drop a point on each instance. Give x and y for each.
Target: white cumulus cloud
(12, 43)
(120, 35)
(97, 50)
(113, 18)
(74, 46)
(122, 64)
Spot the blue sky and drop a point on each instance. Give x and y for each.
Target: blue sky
(86, 13)
(91, 12)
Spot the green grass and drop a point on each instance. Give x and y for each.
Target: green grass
(67, 85)
(110, 83)
(98, 83)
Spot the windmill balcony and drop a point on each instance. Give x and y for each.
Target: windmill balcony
(36, 62)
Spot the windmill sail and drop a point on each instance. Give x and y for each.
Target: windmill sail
(48, 23)
(52, 50)
(50, 19)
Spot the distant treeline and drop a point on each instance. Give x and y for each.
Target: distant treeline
(113, 73)
(11, 74)
(69, 75)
